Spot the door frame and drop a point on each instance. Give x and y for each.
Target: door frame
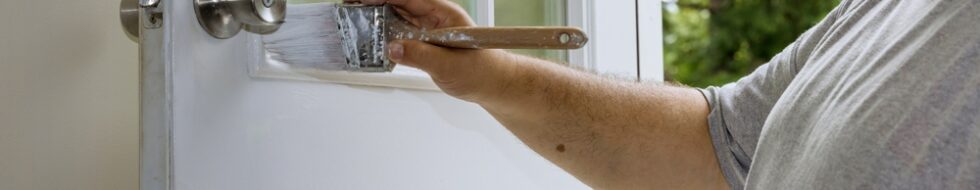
(156, 95)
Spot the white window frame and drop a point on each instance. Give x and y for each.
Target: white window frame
(614, 49)
(651, 44)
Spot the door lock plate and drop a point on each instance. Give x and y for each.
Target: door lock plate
(134, 14)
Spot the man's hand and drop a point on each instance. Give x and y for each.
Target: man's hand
(432, 14)
(610, 134)
(463, 73)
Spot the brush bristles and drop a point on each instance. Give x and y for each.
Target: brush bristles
(308, 39)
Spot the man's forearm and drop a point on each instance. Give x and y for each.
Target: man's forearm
(608, 133)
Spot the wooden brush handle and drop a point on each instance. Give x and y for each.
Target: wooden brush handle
(508, 37)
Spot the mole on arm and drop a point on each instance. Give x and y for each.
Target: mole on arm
(560, 148)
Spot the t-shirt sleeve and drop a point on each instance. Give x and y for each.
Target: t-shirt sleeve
(738, 110)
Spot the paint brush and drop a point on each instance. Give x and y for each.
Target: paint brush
(353, 37)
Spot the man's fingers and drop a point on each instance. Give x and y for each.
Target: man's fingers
(423, 7)
(435, 13)
(368, 2)
(421, 55)
(426, 13)
(414, 7)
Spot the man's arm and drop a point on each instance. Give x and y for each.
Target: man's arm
(610, 134)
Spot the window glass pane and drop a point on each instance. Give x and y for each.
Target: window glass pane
(533, 13)
(469, 5)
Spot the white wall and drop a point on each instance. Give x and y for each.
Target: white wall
(68, 96)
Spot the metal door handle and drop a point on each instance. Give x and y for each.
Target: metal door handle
(225, 18)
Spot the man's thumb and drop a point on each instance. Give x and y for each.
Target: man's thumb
(417, 54)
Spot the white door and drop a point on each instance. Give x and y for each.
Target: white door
(216, 115)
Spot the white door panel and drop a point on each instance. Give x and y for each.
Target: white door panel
(233, 131)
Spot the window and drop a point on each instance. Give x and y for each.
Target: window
(614, 47)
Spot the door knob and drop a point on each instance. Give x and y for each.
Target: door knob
(225, 18)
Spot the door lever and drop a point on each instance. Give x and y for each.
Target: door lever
(225, 18)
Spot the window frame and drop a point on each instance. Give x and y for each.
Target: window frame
(651, 47)
(615, 47)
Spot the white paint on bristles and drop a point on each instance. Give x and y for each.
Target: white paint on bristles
(308, 39)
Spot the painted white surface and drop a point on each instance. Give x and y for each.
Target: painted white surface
(612, 29)
(579, 14)
(650, 23)
(232, 131)
(68, 97)
(484, 12)
(614, 38)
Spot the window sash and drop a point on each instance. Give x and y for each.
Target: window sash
(614, 47)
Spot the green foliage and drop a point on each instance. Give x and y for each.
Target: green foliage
(714, 42)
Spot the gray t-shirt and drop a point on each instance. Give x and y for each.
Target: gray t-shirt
(880, 95)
